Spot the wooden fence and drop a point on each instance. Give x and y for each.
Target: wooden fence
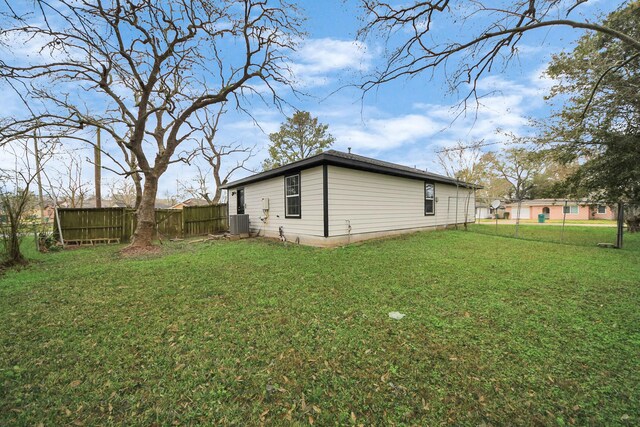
(95, 225)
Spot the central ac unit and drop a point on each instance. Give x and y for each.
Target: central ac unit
(239, 224)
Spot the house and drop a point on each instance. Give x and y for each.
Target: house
(484, 211)
(556, 208)
(335, 198)
(190, 202)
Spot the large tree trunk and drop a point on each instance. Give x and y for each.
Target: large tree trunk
(137, 182)
(216, 196)
(14, 255)
(146, 214)
(14, 207)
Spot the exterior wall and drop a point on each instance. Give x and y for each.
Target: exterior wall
(525, 212)
(585, 212)
(609, 214)
(376, 203)
(484, 213)
(311, 222)
(555, 212)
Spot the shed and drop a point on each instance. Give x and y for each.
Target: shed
(335, 198)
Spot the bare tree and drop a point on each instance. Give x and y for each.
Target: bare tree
(66, 183)
(123, 192)
(127, 168)
(464, 163)
(217, 155)
(519, 167)
(198, 187)
(496, 30)
(154, 64)
(16, 197)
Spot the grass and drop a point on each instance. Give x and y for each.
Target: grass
(573, 235)
(253, 332)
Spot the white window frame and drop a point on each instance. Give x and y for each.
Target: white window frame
(570, 209)
(289, 196)
(604, 208)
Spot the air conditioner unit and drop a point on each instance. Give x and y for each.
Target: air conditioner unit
(239, 224)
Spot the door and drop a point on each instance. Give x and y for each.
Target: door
(525, 213)
(240, 201)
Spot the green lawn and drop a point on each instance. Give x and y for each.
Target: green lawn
(497, 331)
(572, 235)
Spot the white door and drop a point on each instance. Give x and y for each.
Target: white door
(525, 212)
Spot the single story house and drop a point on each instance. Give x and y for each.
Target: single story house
(188, 203)
(555, 209)
(483, 211)
(335, 198)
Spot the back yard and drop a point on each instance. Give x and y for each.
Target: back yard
(497, 331)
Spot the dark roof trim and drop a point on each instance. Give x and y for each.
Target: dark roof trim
(350, 161)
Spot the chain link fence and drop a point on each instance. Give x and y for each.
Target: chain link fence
(573, 222)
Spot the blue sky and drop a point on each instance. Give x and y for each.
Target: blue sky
(405, 121)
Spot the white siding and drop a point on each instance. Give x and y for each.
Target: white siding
(372, 202)
(311, 222)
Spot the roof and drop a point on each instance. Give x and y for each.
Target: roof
(351, 161)
(553, 202)
(192, 202)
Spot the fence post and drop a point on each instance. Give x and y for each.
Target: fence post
(57, 214)
(620, 225)
(564, 219)
(183, 215)
(127, 224)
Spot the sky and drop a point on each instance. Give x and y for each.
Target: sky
(405, 121)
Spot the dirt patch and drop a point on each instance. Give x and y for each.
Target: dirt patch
(136, 251)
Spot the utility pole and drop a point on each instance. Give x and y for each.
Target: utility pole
(38, 176)
(97, 154)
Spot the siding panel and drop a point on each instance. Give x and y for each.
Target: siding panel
(371, 202)
(311, 222)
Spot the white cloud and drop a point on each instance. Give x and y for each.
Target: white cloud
(318, 60)
(385, 133)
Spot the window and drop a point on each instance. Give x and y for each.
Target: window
(602, 209)
(572, 210)
(292, 196)
(429, 199)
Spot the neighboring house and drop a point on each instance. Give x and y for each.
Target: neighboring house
(163, 204)
(335, 198)
(189, 202)
(483, 211)
(555, 208)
